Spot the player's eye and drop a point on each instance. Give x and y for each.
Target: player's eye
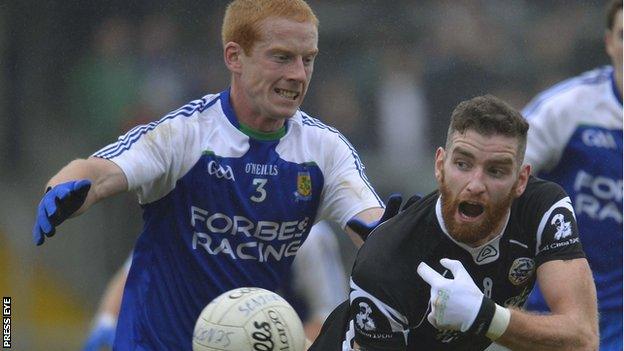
(462, 165)
(281, 57)
(497, 172)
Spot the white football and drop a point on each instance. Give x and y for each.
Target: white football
(248, 319)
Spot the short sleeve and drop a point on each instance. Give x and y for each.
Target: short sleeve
(549, 132)
(540, 149)
(156, 155)
(377, 326)
(347, 190)
(557, 234)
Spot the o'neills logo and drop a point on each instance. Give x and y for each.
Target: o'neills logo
(486, 254)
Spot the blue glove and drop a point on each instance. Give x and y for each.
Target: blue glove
(393, 204)
(103, 335)
(57, 205)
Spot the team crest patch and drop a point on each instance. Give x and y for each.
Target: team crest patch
(521, 270)
(304, 186)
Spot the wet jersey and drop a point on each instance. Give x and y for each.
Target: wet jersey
(389, 302)
(223, 209)
(575, 140)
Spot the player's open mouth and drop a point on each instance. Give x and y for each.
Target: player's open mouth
(470, 210)
(288, 94)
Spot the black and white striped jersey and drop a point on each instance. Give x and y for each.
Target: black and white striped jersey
(389, 302)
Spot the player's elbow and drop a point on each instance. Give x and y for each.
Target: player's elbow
(588, 338)
(592, 340)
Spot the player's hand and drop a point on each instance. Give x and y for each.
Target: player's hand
(412, 200)
(102, 336)
(455, 302)
(57, 205)
(393, 204)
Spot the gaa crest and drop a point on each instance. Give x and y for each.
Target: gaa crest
(521, 270)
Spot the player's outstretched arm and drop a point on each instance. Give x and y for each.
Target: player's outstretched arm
(73, 190)
(570, 293)
(360, 226)
(458, 304)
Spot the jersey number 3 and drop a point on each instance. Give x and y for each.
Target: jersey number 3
(260, 191)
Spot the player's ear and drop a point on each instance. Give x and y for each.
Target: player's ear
(232, 53)
(439, 164)
(523, 179)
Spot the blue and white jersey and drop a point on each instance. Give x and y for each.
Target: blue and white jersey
(223, 209)
(575, 139)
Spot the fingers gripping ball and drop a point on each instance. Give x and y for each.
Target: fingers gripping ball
(248, 319)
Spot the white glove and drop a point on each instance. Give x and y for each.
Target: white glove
(458, 304)
(455, 303)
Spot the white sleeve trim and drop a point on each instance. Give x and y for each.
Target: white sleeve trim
(398, 321)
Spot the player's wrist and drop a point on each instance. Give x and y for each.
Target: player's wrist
(499, 323)
(484, 317)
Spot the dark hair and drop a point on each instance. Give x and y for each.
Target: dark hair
(489, 115)
(612, 9)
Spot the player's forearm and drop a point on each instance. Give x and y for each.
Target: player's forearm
(528, 331)
(368, 216)
(106, 179)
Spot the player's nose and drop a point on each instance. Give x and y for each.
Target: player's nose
(476, 184)
(297, 70)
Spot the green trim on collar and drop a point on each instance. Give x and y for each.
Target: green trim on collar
(276, 135)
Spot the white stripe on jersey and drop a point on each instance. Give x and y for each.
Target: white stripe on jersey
(310, 121)
(127, 140)
(596, 76)
(398, 322)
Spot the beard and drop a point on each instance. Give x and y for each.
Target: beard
(472, 233)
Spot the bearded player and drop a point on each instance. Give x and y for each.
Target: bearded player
(450, 271)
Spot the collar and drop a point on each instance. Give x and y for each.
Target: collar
(486, 253)
(227, 108)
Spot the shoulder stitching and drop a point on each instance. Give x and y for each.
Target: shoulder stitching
(313, 122)
(127, 140)
(592, 77)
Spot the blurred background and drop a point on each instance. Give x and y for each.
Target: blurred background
(76, 74)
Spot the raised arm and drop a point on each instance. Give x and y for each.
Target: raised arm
(572, 324)
(106, 178)
(74, 189)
